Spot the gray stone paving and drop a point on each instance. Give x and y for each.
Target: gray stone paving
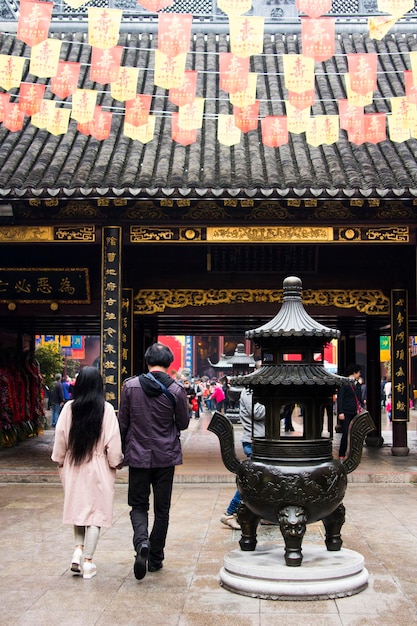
(37, 587)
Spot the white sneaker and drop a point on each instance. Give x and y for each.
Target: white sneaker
(231, 521)
(89, 569)
(76, 560)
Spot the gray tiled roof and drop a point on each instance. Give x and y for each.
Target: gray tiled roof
(32, 161)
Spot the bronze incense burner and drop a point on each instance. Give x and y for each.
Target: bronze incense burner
(292, 479)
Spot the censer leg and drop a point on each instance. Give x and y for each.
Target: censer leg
(248, 523)
(293, 522)
(333, 524)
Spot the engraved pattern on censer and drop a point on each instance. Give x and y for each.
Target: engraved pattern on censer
(268, 484)
(150, 301)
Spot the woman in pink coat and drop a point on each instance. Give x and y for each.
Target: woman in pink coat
(88, 449)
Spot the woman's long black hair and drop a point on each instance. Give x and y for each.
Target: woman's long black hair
(87, 415)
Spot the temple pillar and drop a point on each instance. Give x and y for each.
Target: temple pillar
(127, 334)
(399, 371)
(111, 313)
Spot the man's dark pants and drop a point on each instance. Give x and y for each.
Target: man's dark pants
(140, 482)
(345, 430)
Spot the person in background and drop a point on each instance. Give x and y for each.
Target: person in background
(348, 403)
(57, 399)
(245, 413)
(226, 387)
(67, 388)
(153, 410)
(217, 396)
(189, 390)
(363, 392)
(88, 450)
(198, 390)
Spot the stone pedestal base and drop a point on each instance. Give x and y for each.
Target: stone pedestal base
(400, 451)
(323, 575)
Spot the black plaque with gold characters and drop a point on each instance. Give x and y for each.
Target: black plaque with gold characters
(399, 355)
(39, 285)
(111, 317)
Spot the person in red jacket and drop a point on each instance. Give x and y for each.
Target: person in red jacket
(153, 410)
(217, 396)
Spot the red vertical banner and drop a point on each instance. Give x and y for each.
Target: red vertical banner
(362, 72)
(30, 98)
(349, 116)
(246, 118)
(234, 72)
(174, 33)
(105, 64)
(155, 5)
(183, 136)
(185, 94)
(302, 100)
(375, 127)
(34, 21)
(13, 117)
(318, 37)
(138, 109)
(410, 87)
(101, 126)
(65, 82)
(274, 130)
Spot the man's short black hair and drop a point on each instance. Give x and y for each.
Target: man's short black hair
(352, 368)
(159, 354)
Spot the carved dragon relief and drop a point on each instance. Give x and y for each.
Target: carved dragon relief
(151, 301)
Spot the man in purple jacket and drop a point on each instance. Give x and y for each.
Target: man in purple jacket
(153, 410)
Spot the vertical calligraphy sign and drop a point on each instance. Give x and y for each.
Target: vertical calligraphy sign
(399, 355)
(111, 312)
(127, 334)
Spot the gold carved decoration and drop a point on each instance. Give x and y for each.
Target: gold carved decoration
(26, 234)
(145, 210)
(76, 233)
(80, 209)
(399, 234)
(151, 301)
(269, 234)
(207, 211)
(333, 211)
(144, 234)
(269, 211)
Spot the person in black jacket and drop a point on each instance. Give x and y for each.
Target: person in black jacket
(153, 411)
(57, 399)
(348, 403)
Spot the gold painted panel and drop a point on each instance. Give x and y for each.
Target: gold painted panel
(151, 301)
(269, 234)
(26, 234)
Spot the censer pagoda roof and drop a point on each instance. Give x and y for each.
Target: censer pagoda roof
(292, 320)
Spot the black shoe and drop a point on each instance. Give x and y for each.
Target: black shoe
(139, 567)
(154, 566)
